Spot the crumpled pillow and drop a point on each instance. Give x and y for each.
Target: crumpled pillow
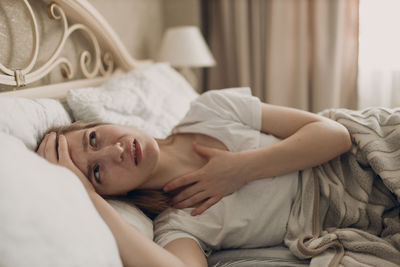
(152, 98)
(28, 119)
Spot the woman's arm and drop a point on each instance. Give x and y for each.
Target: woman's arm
(307, 140)
(135, 249)
(188, 251)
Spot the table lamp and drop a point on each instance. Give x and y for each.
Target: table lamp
(185, 48)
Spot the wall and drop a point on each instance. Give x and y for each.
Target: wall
(181, 12)
(141, 23)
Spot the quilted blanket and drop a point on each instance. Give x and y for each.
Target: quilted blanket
(346, 212)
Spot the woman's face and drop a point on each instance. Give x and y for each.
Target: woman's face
(116, 159)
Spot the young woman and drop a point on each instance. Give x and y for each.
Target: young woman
(235, 156)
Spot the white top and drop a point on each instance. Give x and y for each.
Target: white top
(254, 216)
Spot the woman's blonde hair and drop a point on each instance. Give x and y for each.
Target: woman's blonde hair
(151, 201)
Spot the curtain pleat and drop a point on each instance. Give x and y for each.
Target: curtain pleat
(298, 53)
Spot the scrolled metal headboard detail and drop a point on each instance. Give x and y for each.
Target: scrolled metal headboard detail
(103, 65)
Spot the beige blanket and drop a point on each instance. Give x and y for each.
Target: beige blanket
(346, 211)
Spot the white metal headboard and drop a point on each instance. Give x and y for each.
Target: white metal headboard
(108, 52)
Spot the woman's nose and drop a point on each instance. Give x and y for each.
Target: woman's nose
(113, 152)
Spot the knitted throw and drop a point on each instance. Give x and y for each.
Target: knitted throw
(346, 211)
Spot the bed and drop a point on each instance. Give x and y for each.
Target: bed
(76, 68)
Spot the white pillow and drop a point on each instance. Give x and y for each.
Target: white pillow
(152, 98)
(134, 216)
(29, 119)
(47, 218)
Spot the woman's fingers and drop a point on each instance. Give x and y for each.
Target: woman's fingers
(187, 194)
(48, 148)
(205, 205)
(63, 153)
(184, 180)
(42, 145)
(66, 161)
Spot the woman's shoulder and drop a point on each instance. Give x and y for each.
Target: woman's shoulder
(221, 94)
(225, 101)
(216, 109)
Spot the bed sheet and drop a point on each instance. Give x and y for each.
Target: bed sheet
(257, 257)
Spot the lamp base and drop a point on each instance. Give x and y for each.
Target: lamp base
(190, 76)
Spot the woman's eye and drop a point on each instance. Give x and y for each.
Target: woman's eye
(96, 174)
(92, 139)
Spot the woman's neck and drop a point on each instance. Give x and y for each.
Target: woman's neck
(176, 159)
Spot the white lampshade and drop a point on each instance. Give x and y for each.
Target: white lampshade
(185, 47)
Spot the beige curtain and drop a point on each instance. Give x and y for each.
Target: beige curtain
(298, 53)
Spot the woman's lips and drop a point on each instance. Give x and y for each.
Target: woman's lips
(138, 154)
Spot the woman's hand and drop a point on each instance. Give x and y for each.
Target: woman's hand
(219, 177)
(58, 153)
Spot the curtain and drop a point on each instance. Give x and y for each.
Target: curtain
(298, 53)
